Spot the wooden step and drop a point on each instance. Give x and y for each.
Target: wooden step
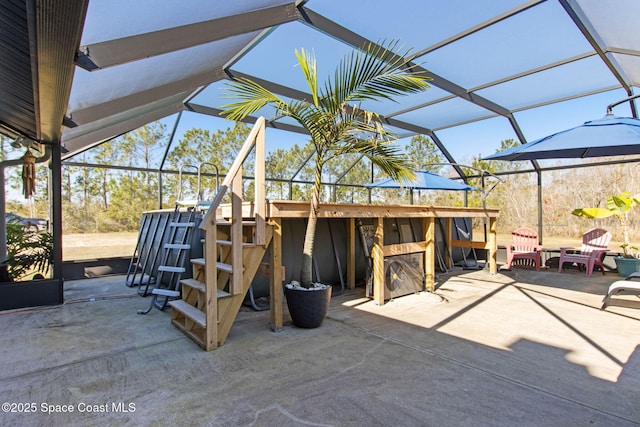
(224, 267)
(197, 316)
(219, 265)
(200, 287)
(228, 223)
(193, 283)
(229, 243)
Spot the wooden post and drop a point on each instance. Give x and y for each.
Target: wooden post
(260, 187)
(493, 246)
(235, 287)
(211, 286)
(430, 253)
(351, 253)
(275, 276)
(448, 256)
(378, 262)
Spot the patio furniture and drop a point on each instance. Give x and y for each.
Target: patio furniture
(524, 246)
(622, 287)
(595, 243)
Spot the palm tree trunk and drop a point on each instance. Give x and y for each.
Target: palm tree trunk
(306, 275)
(626, 248)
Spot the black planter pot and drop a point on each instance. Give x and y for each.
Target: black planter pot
(308, 308)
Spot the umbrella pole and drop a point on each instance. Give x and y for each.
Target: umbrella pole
(540, 207)
(484, 206)
(630, 98)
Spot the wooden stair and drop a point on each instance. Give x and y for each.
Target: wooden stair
(191, 314)
(234, 248)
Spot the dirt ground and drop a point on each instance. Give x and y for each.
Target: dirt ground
(98, 245)
(109, 245)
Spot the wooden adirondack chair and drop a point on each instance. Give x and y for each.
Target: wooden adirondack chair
(524, 246)
(595, 243)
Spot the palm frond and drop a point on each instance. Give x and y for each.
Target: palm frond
(308, 65)
(372, 74)
(250, 96)
(386, 155)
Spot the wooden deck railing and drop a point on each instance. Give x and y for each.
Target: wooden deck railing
(233, 183)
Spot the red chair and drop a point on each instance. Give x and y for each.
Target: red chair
(524, 246)
(595, 244)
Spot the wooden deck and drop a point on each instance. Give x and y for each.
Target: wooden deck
(280, 209)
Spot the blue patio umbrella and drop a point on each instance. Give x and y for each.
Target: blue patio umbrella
(424, 181)
(608, 136)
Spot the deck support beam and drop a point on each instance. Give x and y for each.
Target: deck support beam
(351, 253)
(377, 255)
(430, 254)
(275, 277)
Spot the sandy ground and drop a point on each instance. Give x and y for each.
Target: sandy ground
(108, 245)
(98, 245)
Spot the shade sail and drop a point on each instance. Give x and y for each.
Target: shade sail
(424, 181)
(609, 136)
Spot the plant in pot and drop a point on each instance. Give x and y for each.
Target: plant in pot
(619, 206)
(29, 252)
(336, 125)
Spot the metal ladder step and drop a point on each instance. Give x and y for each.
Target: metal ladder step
(166, 293)
(177, 246)
(171, 269)
(182, 224)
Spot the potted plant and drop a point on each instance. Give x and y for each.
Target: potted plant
(336, 125)
(619, 206)
(29, 252)
(23, 281)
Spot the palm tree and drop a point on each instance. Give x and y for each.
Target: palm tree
(333, 118)
(619, 206)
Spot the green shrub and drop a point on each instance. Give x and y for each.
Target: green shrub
(28, 251)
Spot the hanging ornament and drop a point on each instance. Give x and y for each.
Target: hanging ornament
(28, 174)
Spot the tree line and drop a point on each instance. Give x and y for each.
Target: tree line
(106, 188)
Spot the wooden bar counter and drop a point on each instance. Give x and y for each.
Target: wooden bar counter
(278, 210)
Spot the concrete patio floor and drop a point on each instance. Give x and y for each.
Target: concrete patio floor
(519, 348)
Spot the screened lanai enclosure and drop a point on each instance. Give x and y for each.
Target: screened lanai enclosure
(78, 78)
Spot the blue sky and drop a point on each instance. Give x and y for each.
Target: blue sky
(487, 62)
(482, 137)
(504, 49)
